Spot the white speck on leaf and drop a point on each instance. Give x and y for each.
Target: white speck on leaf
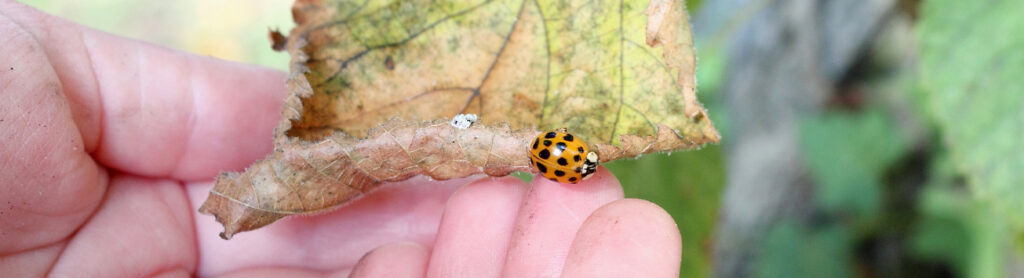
(463, 121)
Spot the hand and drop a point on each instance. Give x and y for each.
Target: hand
(108, 148)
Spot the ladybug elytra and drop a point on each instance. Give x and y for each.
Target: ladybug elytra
(561, 157)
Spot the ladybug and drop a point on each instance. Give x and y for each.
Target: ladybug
(561, 157)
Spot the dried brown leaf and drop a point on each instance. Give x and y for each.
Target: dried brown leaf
(277, 40)
(373, 83)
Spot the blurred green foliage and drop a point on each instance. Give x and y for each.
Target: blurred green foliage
(969, 85)
(956, 228)
(847, 154)
(794, 250)
(971, 67)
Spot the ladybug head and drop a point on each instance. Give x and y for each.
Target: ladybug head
(589, 165)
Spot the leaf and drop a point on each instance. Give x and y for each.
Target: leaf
(373, 82)
(277, 40)
(313, 177)
(792, 250)
(971, 68)
(956, 228)
(847, 154)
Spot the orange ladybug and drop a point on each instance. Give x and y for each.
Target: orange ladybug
(561, 157)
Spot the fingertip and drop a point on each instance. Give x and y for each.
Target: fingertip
(549, 219)
(487, 188)
(629, 237)
(602, 183)
(397, 259)
(474, 233)
(506, 182)
(602, 178)
(237, 107)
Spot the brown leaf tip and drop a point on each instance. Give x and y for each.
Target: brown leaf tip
(278, 41)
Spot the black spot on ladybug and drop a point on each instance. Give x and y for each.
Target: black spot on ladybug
(567, 137)
(544, 154)
(541, 167)
(559, 173)
(561, 161)
(560, 146)
(576, 158)
(535, 141)
(580, 149)
(547, 142)
(553, 179)
(572, 179)
(579, 169)
(550, 135)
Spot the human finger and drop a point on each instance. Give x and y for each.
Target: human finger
(401, 211)
(273, 272)
(398, 260)
(548, 221)
(626, 238)
(143, 228)
(475, 229)
(147, 110)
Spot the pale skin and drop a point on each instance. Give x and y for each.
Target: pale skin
(109, 145)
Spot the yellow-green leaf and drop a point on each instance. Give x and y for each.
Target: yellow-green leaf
(374, 82)
(601, 68)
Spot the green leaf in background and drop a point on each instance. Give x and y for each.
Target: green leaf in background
(791, 250)
(689, 186)
(960, 231)
(956, 228)
(847, 154)
(710, 74)
(972, 69)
